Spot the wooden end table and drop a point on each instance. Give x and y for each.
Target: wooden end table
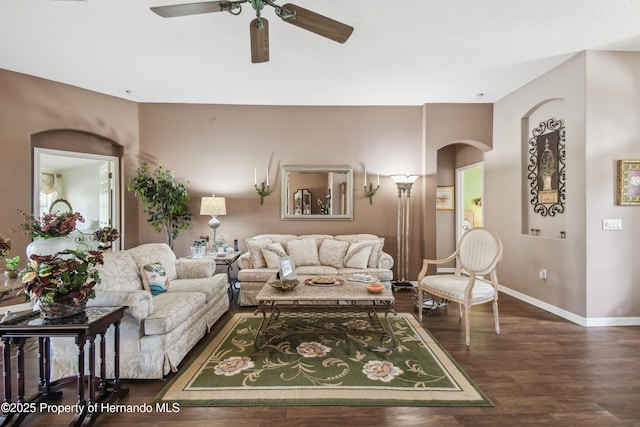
(83, 327)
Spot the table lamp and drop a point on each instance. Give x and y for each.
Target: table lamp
(213, 206)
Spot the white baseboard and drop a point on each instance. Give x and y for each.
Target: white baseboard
(583, 321)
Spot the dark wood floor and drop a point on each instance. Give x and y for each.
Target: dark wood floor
(541, 370)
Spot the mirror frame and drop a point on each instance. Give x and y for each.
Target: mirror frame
(348, 170)
(62, 202)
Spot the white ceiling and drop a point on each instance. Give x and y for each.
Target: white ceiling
(402, 52)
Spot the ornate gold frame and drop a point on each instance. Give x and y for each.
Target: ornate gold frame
(629, 182)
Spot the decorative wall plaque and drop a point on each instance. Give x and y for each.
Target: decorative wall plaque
(629, 182)
(546, 167)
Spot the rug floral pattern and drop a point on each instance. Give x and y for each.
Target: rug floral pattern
(341, 366)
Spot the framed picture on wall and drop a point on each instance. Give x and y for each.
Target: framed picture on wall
(444, 198)
(629, 182)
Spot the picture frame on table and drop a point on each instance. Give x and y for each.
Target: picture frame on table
(628, 183)
(287, 268)
(445, 198)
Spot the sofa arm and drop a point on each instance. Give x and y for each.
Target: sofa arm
(385, 261)
(139, 302)
(195, 268)
(244, 261)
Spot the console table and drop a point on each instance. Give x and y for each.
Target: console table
(83, 327)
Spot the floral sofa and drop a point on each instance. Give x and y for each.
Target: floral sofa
(313, 254)
(157, 331)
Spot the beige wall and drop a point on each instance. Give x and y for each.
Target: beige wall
(612, 134)
(591, 273)
(216, 147)
(29, 105)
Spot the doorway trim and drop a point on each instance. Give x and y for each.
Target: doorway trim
(460, 193)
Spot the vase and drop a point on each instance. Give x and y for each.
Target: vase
(50, 246)
(61, 308)
(11, 274)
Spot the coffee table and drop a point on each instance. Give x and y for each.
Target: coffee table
(308, 301)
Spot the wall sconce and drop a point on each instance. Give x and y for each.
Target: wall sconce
(370, 191)
(263, 190)
(404, 183)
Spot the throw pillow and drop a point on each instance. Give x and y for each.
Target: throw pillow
(303, 252)
(154, 278)
(272, 253)
(376, 250)
(332, 252)
(255, 250)
(358, 255)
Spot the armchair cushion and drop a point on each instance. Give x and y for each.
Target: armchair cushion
(453, 286)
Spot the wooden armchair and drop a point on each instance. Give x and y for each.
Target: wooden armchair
(477, 256)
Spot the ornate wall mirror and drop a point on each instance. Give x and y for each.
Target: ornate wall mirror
(317, 192)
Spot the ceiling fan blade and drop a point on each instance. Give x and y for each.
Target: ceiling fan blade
(259, 29)
(316, 23)
(194, 8)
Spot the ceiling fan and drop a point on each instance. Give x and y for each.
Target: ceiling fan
(259, 27)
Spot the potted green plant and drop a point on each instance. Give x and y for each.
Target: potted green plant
(12, 267)
(164, 198)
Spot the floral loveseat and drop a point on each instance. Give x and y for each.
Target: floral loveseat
(313, 254)
(157, 331)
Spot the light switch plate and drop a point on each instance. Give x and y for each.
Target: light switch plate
(612, 224)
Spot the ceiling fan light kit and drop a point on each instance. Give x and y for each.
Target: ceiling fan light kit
(259, 27)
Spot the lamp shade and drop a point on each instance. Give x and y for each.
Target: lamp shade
(213, 206)
(404, 179)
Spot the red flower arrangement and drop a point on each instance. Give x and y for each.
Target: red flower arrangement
(66, 275)
(53, 224)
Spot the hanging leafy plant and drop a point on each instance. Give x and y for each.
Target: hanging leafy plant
(164, 198)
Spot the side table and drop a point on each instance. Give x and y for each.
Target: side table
(83, 327)
(227, 259)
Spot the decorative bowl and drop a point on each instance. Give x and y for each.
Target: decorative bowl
(375, 288)
(284, 284)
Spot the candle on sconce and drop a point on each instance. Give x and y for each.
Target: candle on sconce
(365, 176)
(267, 176)
(378, 177)
(255, 176)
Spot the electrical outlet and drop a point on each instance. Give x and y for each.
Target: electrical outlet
(612, 224)
(543, 273)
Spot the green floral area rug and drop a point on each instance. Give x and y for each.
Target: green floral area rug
(344, 367)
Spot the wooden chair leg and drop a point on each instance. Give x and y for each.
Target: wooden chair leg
(467, 321)
(420, 299)
(496, 317)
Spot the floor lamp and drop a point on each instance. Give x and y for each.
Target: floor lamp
(404, 183)
(213, 206)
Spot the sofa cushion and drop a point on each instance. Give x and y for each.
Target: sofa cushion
(272, 253)
(376, 250)
(154, 278)
(171, 309)
(316, 270)
(255, 250)
(303, 251)
(256, 274)
(155, 252)
(332, 252)
(118, 273)
(358, 255)
(212, 287)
